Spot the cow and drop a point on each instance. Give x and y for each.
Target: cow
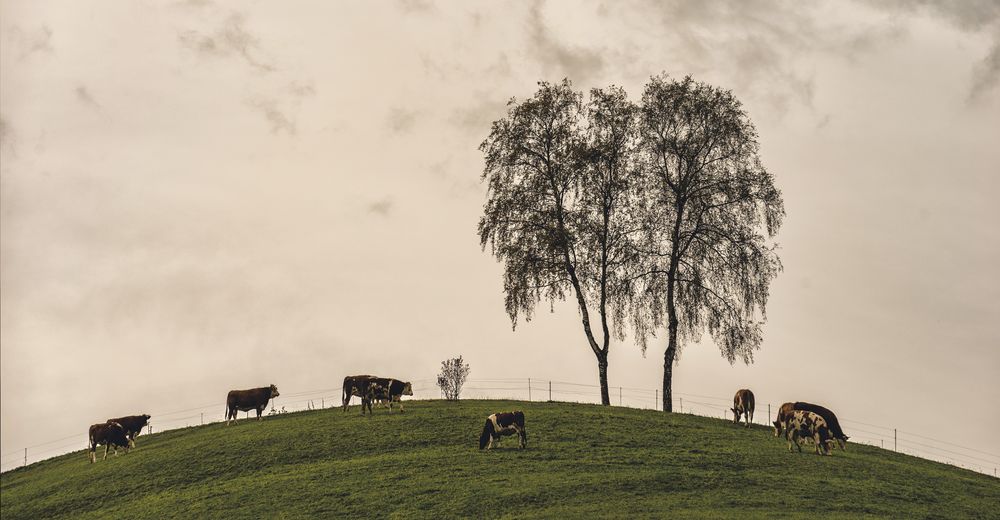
(831, 420)
(743, 406)
(384, 389)
(110, 434)
(500, 424)
(803, 424)
(246, 400)
(133, 425)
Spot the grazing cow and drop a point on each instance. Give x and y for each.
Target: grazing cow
(831, 420)
(803, 424)
(246, 400)
(110, 434)
(133, 425)
(499, 424)
(384, 390)
(743, 405)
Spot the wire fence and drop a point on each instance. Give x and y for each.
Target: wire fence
(537, 389)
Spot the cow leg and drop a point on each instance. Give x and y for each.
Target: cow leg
(259, 410)
(105, 452)
(521, 438)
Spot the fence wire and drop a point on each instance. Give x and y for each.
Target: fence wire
(536, 389)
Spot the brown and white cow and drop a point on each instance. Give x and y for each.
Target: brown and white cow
(110, 434)
(743, 405)
(133, 425)
(246, 400)
(831, 420)
(372, 388)
(803, 424)
(501, 424)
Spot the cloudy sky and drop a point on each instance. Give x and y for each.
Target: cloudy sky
(200, 196)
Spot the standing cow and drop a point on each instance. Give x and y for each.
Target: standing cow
(133, 425)
(831, 420)
(246, 400)
(500, 424)
(743, 405)
(803, 425)
(372, 388)
(110, 434)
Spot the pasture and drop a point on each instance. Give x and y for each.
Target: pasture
(581, 460)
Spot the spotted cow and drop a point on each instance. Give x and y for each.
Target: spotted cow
(502, 424)
(133, 425)
(246, 400)
(110, 434)
(831, 420)
(743, 405)
(375, 389)
(803, 424)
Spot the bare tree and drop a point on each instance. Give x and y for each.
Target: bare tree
(452, 377)
(557, 174)
(707, 204)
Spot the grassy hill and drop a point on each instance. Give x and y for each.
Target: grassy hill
(582, 460)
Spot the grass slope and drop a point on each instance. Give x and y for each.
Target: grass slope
(581, 460)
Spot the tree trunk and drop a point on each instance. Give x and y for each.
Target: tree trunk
(671, 352)
(602, 367)
(668, 370)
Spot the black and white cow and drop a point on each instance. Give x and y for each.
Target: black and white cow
(831, 420)
(501, 424)
(803, 424)
(111, 435)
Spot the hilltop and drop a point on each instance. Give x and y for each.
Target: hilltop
(582, 460)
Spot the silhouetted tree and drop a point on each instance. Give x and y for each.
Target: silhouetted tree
(559, 179)
(707, 204)
(452, 377)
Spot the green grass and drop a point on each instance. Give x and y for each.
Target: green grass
(582, 460)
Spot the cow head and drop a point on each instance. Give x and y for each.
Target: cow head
(407, 388)
(777, 428)
(484, 438)
(274, 392)
(736, 415)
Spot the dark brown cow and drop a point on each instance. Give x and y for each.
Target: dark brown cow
(110, 434)
(743, 405)
(372, 388)
(133, 425)
(831, 420)
(501, 424)
(246, 400)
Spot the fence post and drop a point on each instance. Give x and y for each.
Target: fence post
(894, 440)
(619, 396)
(550, 391)
(656, 398)
(203, 418)
(322, 403)
(25, 456)
(725, 415)
(680, 407)
(529, 389)
(768, 412)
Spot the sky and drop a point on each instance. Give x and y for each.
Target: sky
(202, 196)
